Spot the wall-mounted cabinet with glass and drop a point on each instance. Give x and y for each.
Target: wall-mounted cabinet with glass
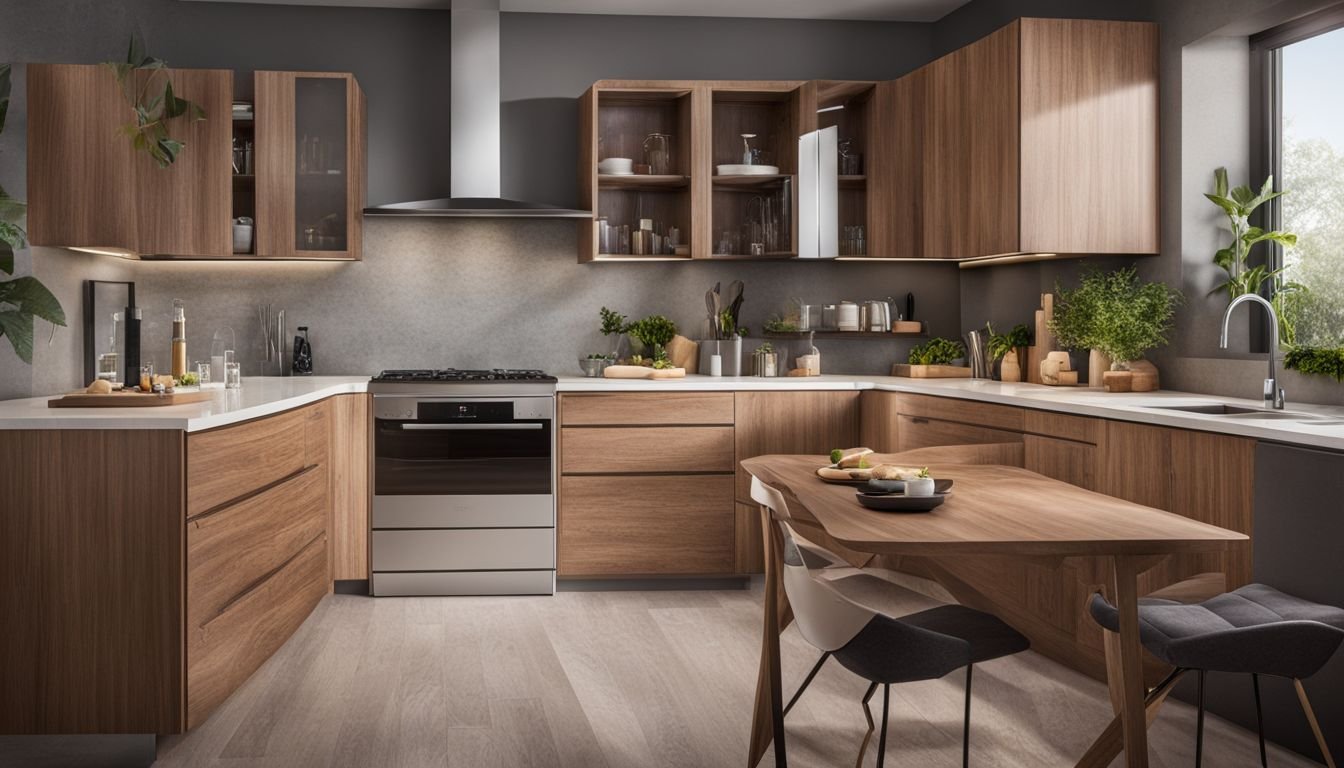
(280, 177)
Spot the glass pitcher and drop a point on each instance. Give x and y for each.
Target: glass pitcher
(658, 153)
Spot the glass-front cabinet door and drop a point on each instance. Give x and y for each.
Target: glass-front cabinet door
(310, 145)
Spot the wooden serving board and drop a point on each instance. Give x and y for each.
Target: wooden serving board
(931, 371)
(642, 372)
(126, 400)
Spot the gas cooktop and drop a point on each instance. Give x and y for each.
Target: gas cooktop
(453, 374)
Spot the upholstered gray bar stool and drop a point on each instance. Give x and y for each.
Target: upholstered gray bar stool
(883, 650)
(1256, 630)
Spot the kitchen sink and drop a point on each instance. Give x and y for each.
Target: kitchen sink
(1239, 412)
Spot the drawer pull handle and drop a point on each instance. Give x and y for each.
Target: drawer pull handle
(261, 580)
(255, 492)
(468, 427)
(918, 420)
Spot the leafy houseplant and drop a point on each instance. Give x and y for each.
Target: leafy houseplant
(1116, 314)
(1239, 204)
(21, 298)
(1323, 361)
(146, 85)
(654, 332)
(1010, 348)
(936, 352)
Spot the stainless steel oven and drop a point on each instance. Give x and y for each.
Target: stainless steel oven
(464, 492)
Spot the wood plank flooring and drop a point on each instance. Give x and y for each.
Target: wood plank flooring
(625, 679)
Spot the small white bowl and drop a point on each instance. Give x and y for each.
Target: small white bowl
(748, 170)
(920, 486)
(616, 166)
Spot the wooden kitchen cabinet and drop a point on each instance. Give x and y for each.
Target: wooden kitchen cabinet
(1042, 138)
(646, 485)
(311, 177)
(784, 423)
(88, 188)
(896, 168)
(149, 572)
(658, 525)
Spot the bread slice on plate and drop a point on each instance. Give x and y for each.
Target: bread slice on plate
(853, 458)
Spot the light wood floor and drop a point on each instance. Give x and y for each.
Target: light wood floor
(590, 679)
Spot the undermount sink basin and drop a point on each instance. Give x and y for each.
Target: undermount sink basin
(1236, 412)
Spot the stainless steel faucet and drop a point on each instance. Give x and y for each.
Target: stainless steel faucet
(1273, 392)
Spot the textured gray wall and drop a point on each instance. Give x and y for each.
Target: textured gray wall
(489, 293)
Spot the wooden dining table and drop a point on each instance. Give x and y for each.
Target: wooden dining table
(992, 510)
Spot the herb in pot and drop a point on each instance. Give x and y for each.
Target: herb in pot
(1115, 313)
(937, 351)
(653, 331)
(1000, 344)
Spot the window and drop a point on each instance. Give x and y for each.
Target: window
(1304, 130)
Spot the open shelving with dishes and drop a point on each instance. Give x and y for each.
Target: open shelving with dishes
(244, 189)
(637, 171)
(753, 207)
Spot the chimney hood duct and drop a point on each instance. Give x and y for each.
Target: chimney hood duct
(474, 183)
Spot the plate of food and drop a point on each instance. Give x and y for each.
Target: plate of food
(848, 467)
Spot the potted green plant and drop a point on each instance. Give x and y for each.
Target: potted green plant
(22, 298)
(1011, 348)
(937, 351)
(1114, 314)
(653, 333)
(145, 83)
(1323, 361)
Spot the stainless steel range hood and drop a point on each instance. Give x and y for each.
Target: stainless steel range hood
(474, 186)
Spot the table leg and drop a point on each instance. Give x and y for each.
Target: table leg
(768, 716)
(1126, 571)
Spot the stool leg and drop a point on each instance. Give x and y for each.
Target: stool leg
(882, 737)
(867, 715)
(966, 726)
(1199, 724)
(1315, 725)
(1259, 720)
(807, 681)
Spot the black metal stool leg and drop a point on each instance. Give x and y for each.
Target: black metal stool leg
(807, 681)
(1259, 721)
(966, 726)
(882, 736)
(1199, 724)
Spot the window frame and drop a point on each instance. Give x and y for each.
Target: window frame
(1267, 121)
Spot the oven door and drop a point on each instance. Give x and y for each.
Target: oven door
(461, 464)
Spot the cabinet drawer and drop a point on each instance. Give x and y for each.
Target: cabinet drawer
(646, 449)
(464, 549)
(1067, 460)
(649, 409)
(230, 551)
(1065, 426)
(227, 649)
(963, 411)
(919, 432)
(663, 525)
(230, 462)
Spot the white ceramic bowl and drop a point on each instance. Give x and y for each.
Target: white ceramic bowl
(616, 166)
(920, 486)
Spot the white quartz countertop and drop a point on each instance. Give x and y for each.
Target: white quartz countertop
(259, 396)
(262, 396)
(1325, 431)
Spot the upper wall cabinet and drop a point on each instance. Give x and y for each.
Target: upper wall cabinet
(88, 188)
(310, 181)
(303, 185)
(1043, 138)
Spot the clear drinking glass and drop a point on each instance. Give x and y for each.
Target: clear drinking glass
(203, 372)
(233, 375)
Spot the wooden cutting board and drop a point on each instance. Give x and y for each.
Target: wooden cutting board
(126, 400)
(931, 371)
(642, 372)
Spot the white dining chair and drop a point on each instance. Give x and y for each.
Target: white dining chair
(881, 649)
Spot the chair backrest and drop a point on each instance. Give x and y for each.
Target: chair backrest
(825, 618)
